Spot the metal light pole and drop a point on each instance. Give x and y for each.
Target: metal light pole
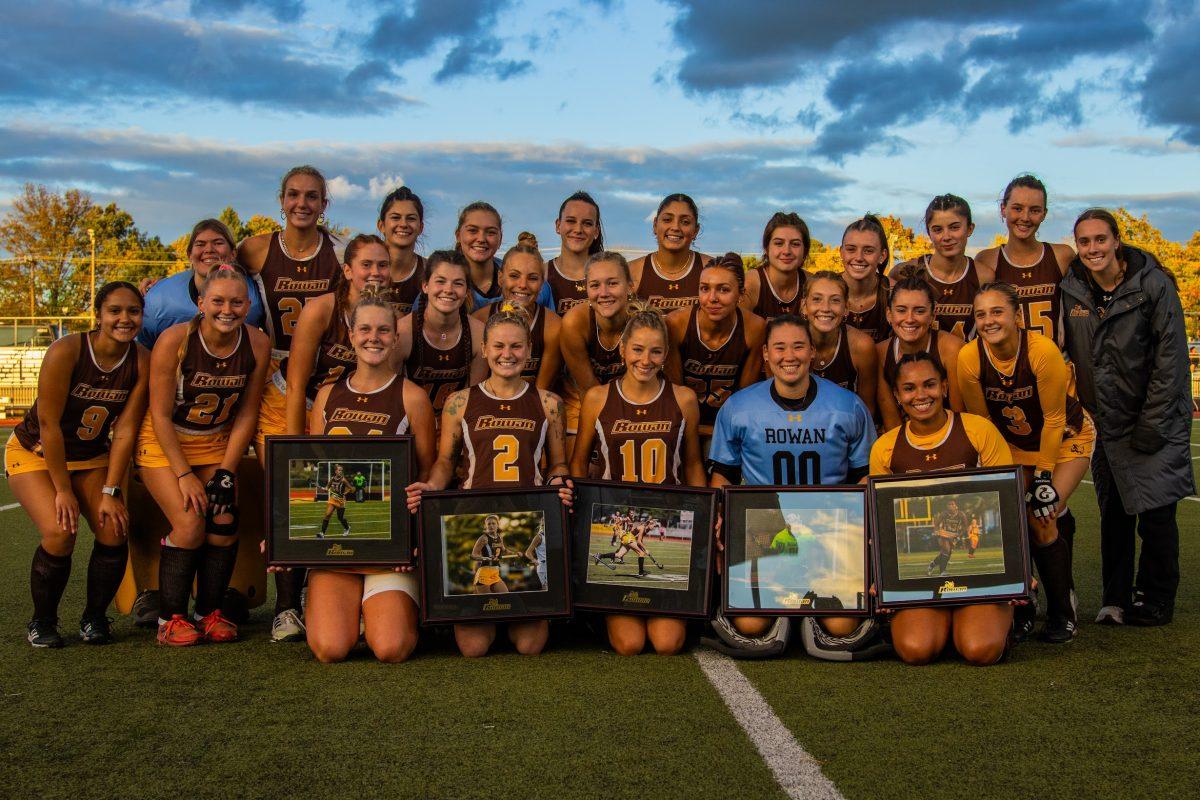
(92, 304)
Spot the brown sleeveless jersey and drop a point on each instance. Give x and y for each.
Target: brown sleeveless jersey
(891, 356)
(678, 292)
(873, 321)
(288, 284)
(840, 369)
(349, 412)
(567, 293)
(641, 443)
(1013, 403)
(769, 304)
(402, 295)
(210, 388)
(93, 403)
(503, 439)
(952, 453)
(335, 355)
(712, 374)
(954, 303)
(606, 364)
(439, 372)
(537, 341)
(1041, 303)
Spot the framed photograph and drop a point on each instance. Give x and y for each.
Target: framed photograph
(338, 501)
(493, 555)
(642, 549)
(950, 538)
(796, 551)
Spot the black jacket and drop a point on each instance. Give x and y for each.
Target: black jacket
(1132, 372)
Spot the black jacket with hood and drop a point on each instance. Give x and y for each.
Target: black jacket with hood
(1131, 366)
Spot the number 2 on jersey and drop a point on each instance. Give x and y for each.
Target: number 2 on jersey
(653, 466)
(504, 464)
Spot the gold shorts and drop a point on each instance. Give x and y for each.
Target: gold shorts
(1079, 445)
(337, 502)
(272, 416)
(18, 460)
(199, 449)
(571, 409)
(487, 576)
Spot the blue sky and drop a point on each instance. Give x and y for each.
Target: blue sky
(176, 109)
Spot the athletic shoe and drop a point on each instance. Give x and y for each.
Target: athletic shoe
(1111, 615)
(1023, 621)
(1148, 615)
(178, 632)
(145, 609)
(287, 627)
(345, 532)
(1057, 630)
(44, 633)
(320, 535)
(217, 629)
(96, 630)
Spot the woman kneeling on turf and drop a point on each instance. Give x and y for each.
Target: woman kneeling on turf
(507, 423)
(371, 401)
(956, 441)
(670, 455)
(59, 462)
(206, 382)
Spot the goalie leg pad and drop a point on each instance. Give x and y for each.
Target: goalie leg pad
(869, 640)
(736, 645)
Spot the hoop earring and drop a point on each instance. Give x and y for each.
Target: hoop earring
(321, 219)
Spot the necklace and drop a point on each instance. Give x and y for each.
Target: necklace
(283, 247)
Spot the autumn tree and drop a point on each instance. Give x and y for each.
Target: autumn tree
(47, 268)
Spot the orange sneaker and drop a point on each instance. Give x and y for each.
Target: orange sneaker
(178, 632)
(218, 629)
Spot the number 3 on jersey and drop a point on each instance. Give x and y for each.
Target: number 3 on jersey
(646, 463)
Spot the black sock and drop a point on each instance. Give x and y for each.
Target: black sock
(212, 576)
(324, 524)
(48, 580)
(1066, 532)
(176, 569)
(287, 590)
(641, 564)
(342, 518)
(106, 569)
(1054, 568)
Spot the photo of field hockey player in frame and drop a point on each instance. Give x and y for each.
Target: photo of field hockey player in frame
(491, 555)
(957, 538)
(640, 549)
(796, 552)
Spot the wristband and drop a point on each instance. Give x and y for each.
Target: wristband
(184, 475)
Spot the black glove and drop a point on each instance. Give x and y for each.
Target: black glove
(1042, 497)
(222, 490)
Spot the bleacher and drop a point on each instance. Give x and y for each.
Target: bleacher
(19, 368)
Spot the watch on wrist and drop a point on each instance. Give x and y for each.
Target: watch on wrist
(112, 491)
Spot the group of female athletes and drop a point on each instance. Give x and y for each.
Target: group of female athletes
(956, 359)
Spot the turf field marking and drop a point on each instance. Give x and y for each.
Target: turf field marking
(1189, 497)
(10, 507)
(798, 773)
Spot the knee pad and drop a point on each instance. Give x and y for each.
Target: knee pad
(869, 640)
(222, 528)
(737, 645)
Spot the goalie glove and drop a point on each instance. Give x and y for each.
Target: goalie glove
(222, 490)
(1042, 498)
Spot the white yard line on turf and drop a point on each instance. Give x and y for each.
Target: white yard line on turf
(10, 507)
(1188, 498)
(798, 773)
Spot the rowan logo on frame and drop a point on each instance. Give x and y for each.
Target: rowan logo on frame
(950, 587)
(338, 550)
(633, 598)
(496, 605)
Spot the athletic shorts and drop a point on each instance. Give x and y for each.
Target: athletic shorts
(337, 502)
(541, 573)
(1080, 445)
(272, 414)
(200, 449)
(18, 460)
(487, 576)
(380, 582)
